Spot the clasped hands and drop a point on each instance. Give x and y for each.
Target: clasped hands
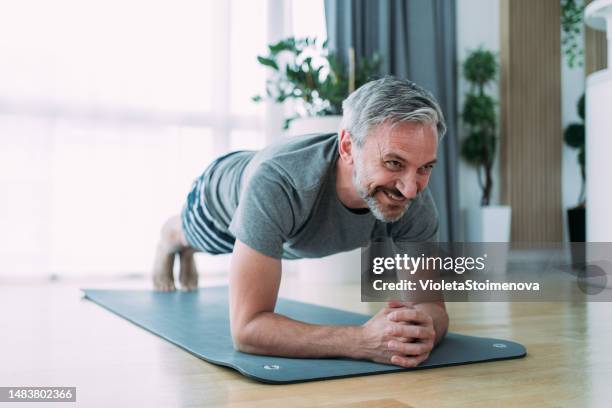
(399, 334)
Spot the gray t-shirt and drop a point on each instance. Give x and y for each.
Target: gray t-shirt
(282, 202)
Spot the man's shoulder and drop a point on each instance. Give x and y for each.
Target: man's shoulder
(301, 161)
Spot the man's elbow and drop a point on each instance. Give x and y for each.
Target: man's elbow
(243, 339)
(240, 339)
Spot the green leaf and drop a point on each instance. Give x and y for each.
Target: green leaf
(287, 44)
(574, 135)
(580, 107)
(288, 121)
(268, 62)
(582, 162)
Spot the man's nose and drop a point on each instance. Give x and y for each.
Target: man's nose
(407, 185)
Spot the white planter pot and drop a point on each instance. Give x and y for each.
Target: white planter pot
(490, 224)
(487, 224)
(314, 124)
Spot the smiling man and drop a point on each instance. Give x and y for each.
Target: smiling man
(313, 196)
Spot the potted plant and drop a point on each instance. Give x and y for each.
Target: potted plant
(304, 70)
(574, 137)
(487, 223)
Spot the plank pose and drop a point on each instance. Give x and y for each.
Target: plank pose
(313, 196)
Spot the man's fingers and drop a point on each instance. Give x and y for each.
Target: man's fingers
(409, 315)
(409, 331)
(409, 349)
(408, 362)
(397, 303)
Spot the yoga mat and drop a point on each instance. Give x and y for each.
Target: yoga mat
(199, 323)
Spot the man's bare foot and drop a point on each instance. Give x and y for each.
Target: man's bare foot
(163, 276)
(188, 276)
(172, 241)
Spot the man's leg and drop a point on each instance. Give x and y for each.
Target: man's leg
(172, 242)
(188, 275)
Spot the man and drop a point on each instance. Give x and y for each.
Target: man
(313, 196)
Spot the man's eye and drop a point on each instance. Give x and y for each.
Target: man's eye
(427, 168)
(393, 164)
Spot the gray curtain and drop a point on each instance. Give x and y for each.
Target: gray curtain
(416, 39)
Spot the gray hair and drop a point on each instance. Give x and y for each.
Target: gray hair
(390, 100)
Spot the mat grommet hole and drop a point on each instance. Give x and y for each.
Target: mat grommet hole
(499, 345)
(271, 367)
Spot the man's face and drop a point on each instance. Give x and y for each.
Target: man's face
(393, 166)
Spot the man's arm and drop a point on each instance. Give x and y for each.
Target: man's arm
(254, 283)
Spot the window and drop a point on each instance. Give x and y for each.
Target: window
(109, 110)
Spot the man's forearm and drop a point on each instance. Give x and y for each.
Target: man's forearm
(439, 316)
(274, 334)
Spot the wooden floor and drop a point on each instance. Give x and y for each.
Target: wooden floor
(50, 336)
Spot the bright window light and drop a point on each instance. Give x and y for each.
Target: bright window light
(109, 110)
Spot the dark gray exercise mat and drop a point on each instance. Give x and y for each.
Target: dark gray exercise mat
(198, 322)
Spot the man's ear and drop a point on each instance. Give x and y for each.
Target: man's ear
(345, 146)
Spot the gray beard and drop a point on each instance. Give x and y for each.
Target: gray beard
(371, 201)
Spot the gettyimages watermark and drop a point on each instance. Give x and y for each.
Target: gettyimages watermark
(486, 272)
